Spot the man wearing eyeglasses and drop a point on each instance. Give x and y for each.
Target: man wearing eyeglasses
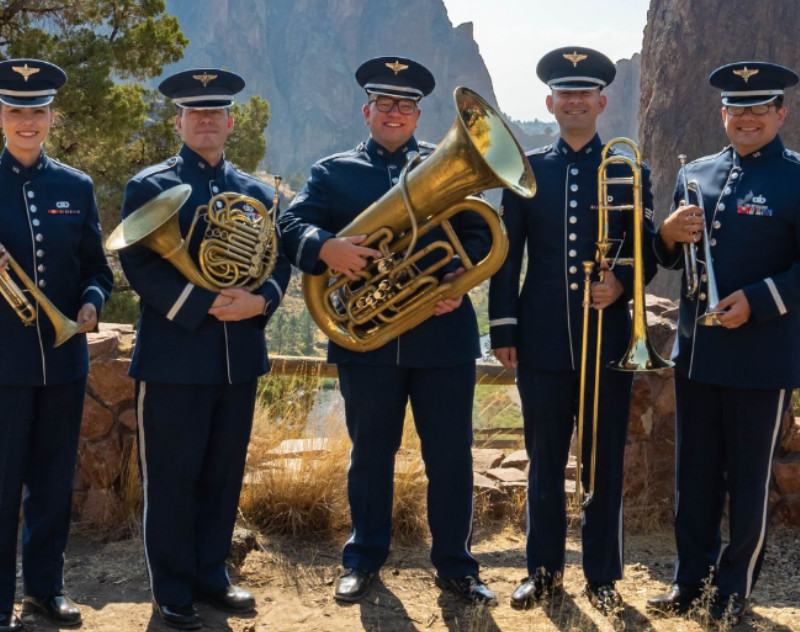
(431, 365)
(734, 379)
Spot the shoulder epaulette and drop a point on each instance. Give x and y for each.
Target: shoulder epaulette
(791, 156)
(539, 150)
(710, 156)
(68, 167)
(169, 163)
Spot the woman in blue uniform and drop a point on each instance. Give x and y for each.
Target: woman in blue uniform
(49, 225)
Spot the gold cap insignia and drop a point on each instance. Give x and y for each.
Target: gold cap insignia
(574, 57)
(25, 71)
(745, 73)
(204, 78)
(396, 67)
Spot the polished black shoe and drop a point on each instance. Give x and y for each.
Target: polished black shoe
(352, 584)
(10, 622)
(603, 595)
(469, 588)
(231, 599)
(727, 609)
(679, 600)
(181, 617)
(542, 585)
(58, 609)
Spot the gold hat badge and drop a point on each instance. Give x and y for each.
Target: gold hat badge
(396, 67)
(574, 57)
(25, 70)
(745, 73)
(205, 78)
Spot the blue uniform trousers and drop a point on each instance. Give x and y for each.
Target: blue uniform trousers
(192, 448)
(39, 431)
(726, 437)
(549, 407)
(375, 405)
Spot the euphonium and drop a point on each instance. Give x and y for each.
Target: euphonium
(239, 246)
(393, 293)
(63, 326)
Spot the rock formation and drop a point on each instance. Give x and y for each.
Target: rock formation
(679, 112)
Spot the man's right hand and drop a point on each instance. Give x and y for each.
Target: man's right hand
(507, 356)
(344, 255)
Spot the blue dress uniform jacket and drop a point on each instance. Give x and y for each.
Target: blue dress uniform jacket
(178, 342)
(559, 225)
(339, 188)
(49, 224)
(752, 206)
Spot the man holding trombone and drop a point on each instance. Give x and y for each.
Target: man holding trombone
(539, 330)
(736, 358)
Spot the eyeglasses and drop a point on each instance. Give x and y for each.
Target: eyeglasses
(755, 110)
(404, 106)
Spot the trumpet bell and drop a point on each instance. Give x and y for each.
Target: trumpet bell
(641, 356)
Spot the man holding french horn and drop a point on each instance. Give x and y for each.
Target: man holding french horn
(735, 357)
(200, 345)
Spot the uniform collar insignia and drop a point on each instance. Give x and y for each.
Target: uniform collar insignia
(25, 71)
(204, 78)
(759, 199)
(745, 73)
(574, 57)
(396, 67)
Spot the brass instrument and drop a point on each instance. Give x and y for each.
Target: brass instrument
(63, 326)
(239, 246)
(640, 354)
(393, 293)
(709, 317)
(689, 250)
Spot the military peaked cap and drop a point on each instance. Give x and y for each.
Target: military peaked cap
(202, 88)
(29, 83)
(395, 77)
(751, 82)
(575, 68)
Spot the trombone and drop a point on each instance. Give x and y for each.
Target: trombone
(63, 326)
(640, 354)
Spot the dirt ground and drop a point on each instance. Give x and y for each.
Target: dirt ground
(293, 582)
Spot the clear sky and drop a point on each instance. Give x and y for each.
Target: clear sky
(513, 35)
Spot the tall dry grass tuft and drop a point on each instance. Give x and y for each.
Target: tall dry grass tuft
(130, 493)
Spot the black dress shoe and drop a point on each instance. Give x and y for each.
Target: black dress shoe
(352, 584)
(10, 622)
(181, 617)
(231, 599)
(541, 585)
(603, 595)
(679, 600)
(58, 609)
(728, 609)
(469, 588)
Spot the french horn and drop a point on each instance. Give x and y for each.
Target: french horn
(394, 294)
(239, 246)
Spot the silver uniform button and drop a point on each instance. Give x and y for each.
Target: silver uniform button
(573, 253)
(572, 219)
(31, 194)
(215, 189)
(574, 171)
(717, 224)
(42, 283)
(573, 187)
(727, 191)
(39, 237)
(40, 253)
(32, 208)
(572, 236)
(712, 242)
(573, 269)
(573, 203)
(35, 222)
(395, 180)
(734, 175)
(40, 267)
(704, 277)
(573, 286)
(702, 296)
(721, 206)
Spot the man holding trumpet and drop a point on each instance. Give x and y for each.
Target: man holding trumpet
(735, 358)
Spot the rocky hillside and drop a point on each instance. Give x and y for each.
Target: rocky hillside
(680, 113)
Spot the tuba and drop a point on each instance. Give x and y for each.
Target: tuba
(394, 292)
(64, 327)
(239, 246)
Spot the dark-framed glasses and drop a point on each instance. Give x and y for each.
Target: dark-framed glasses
(404, 106)
(755, 110)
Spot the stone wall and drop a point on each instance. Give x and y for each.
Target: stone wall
(107, 472)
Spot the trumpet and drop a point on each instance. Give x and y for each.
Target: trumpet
(63, 326)
(689, 250)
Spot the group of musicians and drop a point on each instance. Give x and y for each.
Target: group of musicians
(199, 351)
